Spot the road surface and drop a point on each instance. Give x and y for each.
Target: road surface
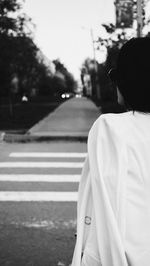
(38, 197)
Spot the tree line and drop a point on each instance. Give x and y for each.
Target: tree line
(23, 68)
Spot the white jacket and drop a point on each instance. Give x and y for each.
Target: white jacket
(113, 215)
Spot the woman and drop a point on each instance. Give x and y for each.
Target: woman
(113, 219)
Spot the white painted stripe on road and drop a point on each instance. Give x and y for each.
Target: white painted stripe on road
(38, 196)
(39, 178)
(47, 155)
(41, 165)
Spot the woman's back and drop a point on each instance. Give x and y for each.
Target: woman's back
(134, 130)
(137, 236)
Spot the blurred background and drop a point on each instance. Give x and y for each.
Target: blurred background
(51, 50)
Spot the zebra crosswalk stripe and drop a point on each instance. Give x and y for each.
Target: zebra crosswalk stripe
(39, 178)
(47, 155)
(38, 196)
(41, 164)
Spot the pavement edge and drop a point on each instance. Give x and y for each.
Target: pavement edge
(25, 138)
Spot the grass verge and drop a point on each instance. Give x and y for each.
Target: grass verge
(23, 116)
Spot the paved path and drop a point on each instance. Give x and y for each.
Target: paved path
(73, 118)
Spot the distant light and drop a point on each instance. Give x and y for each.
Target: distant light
(67, 95)
(78, 95)
(24, 99)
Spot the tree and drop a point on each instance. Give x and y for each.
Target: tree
(18, 52)
(8, 24)
(112, 43)
(11, 43)
(116, 37)
(22, 59)
(64, 80)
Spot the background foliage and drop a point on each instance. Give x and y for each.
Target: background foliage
(23, 67)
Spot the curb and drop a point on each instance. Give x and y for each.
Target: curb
(26, 138)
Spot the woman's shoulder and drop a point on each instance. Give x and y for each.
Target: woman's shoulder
(115, 116)
(129, 126)
(113, 119)
(119, 124)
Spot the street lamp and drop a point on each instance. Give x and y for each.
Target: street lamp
(94, 66)
(139, 17)
(92, 41)
(94, 56)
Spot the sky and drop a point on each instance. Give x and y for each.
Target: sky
(63, 28)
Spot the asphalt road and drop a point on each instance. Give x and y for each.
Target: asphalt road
(38, 193)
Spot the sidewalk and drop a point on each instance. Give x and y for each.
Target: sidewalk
(72, 120)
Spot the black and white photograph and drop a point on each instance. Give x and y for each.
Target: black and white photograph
(74, 132)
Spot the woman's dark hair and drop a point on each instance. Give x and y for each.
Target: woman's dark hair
(132, 74)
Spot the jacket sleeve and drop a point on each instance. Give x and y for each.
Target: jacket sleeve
(84, 200)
